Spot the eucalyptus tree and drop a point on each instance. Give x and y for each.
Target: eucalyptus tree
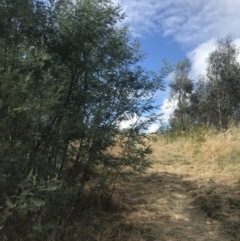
(200, 109)
(181, 87)
(223, 74)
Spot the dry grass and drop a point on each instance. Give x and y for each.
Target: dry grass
(211, 167)
(190, 193)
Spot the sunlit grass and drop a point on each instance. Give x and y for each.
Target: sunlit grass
(200, 169)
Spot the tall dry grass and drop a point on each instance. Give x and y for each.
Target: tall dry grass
(141, 208)
(203, 148)
(222, 148)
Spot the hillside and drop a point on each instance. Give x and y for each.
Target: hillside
(191, 192)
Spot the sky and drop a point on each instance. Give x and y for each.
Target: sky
(176, 29)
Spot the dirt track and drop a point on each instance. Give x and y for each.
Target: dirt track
(163, 209)
(184, 196)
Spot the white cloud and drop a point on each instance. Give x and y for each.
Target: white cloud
(128, 123)
(142, 16)
(195, 25)
(188, 22)
(199, 55)
(167, 108)
(153, 128)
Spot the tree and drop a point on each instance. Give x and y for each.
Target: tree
(200, 109)
(223, 74)
(68, 76)
(181, 87)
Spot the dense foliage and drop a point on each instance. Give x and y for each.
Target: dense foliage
(69, 76)
(214, 99)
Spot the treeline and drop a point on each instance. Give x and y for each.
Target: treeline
(69, 76)
(212, 100)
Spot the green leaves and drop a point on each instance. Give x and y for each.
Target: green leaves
(223, 73)
(69, 77)
(181, 89)
(215, 98)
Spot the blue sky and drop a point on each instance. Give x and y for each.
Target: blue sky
(176, 29)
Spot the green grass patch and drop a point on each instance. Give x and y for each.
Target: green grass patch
(185, 162)
(232, 158)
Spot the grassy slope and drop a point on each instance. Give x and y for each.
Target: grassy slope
(210, 167)
(192, 192)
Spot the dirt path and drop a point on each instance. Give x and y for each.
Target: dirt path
(163, 210)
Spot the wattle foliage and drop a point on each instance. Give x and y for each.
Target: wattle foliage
(69, 76)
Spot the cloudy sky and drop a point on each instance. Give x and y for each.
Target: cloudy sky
(175, 29)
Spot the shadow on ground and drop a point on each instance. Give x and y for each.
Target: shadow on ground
(164, 206)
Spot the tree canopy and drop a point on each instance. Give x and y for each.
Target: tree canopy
(69, 76)
(214, 99)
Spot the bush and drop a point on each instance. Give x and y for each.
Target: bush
(68, 79)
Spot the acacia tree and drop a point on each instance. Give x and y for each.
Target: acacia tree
(223, 73)
(181, 88)
(68, 77)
